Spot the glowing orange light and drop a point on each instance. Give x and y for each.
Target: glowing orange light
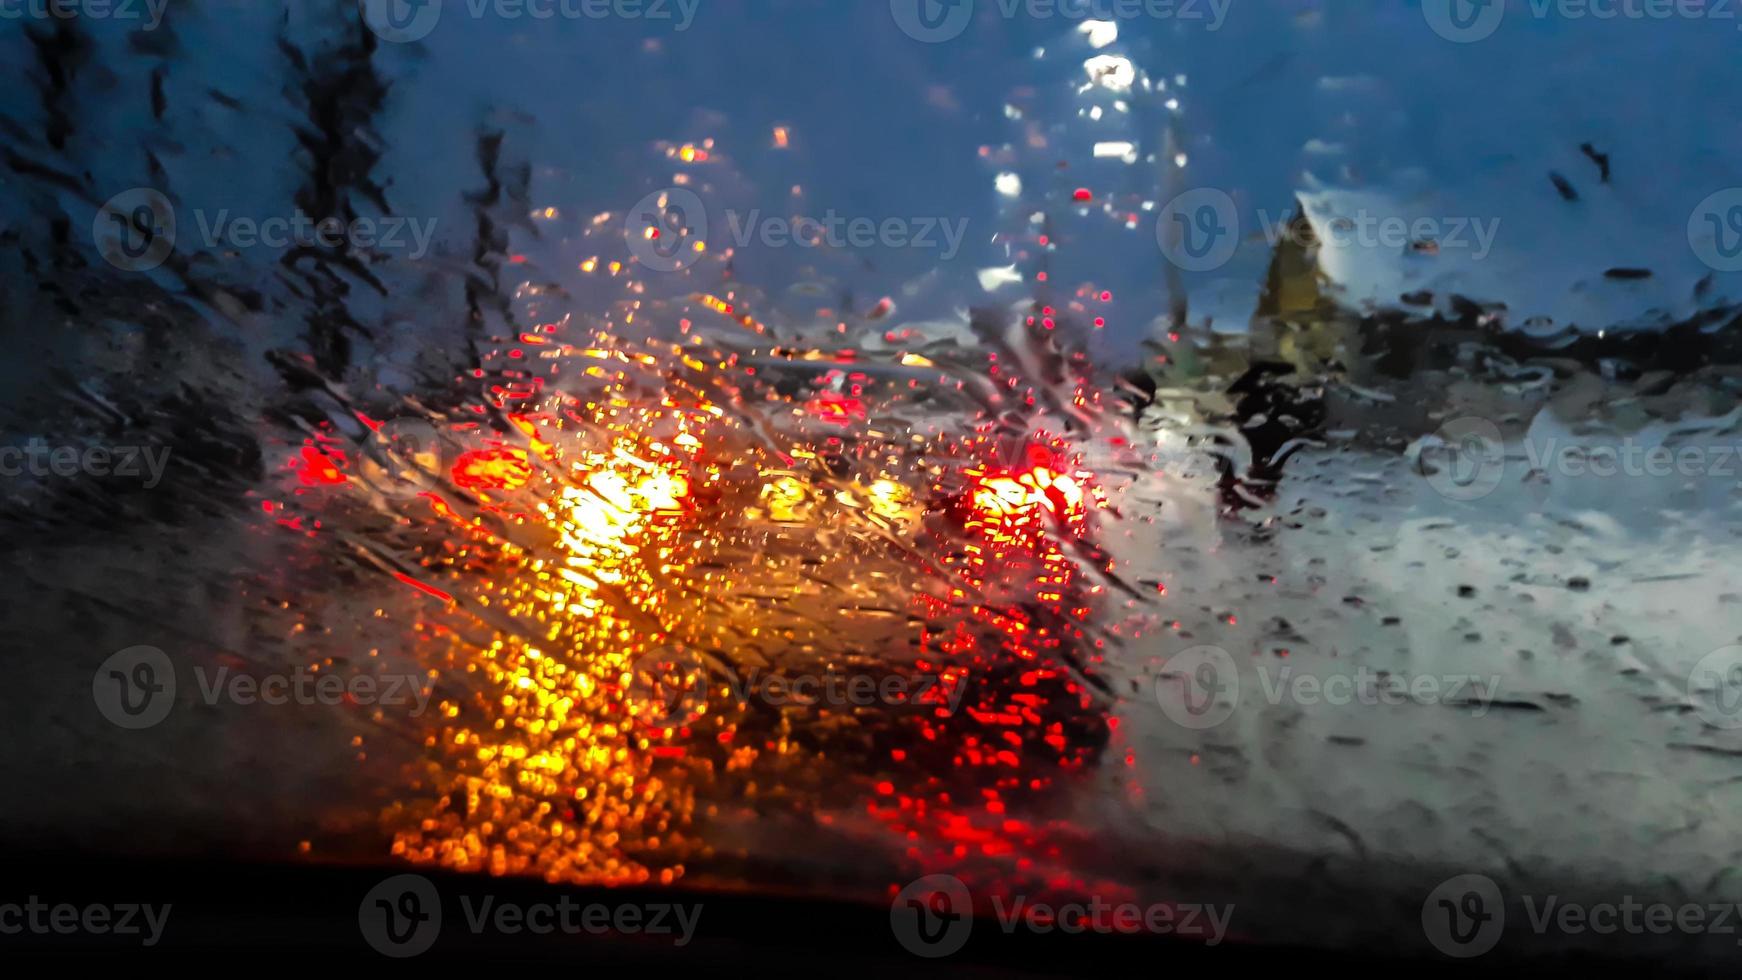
(492, 469)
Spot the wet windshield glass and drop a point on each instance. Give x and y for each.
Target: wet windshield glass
(1275, 455)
